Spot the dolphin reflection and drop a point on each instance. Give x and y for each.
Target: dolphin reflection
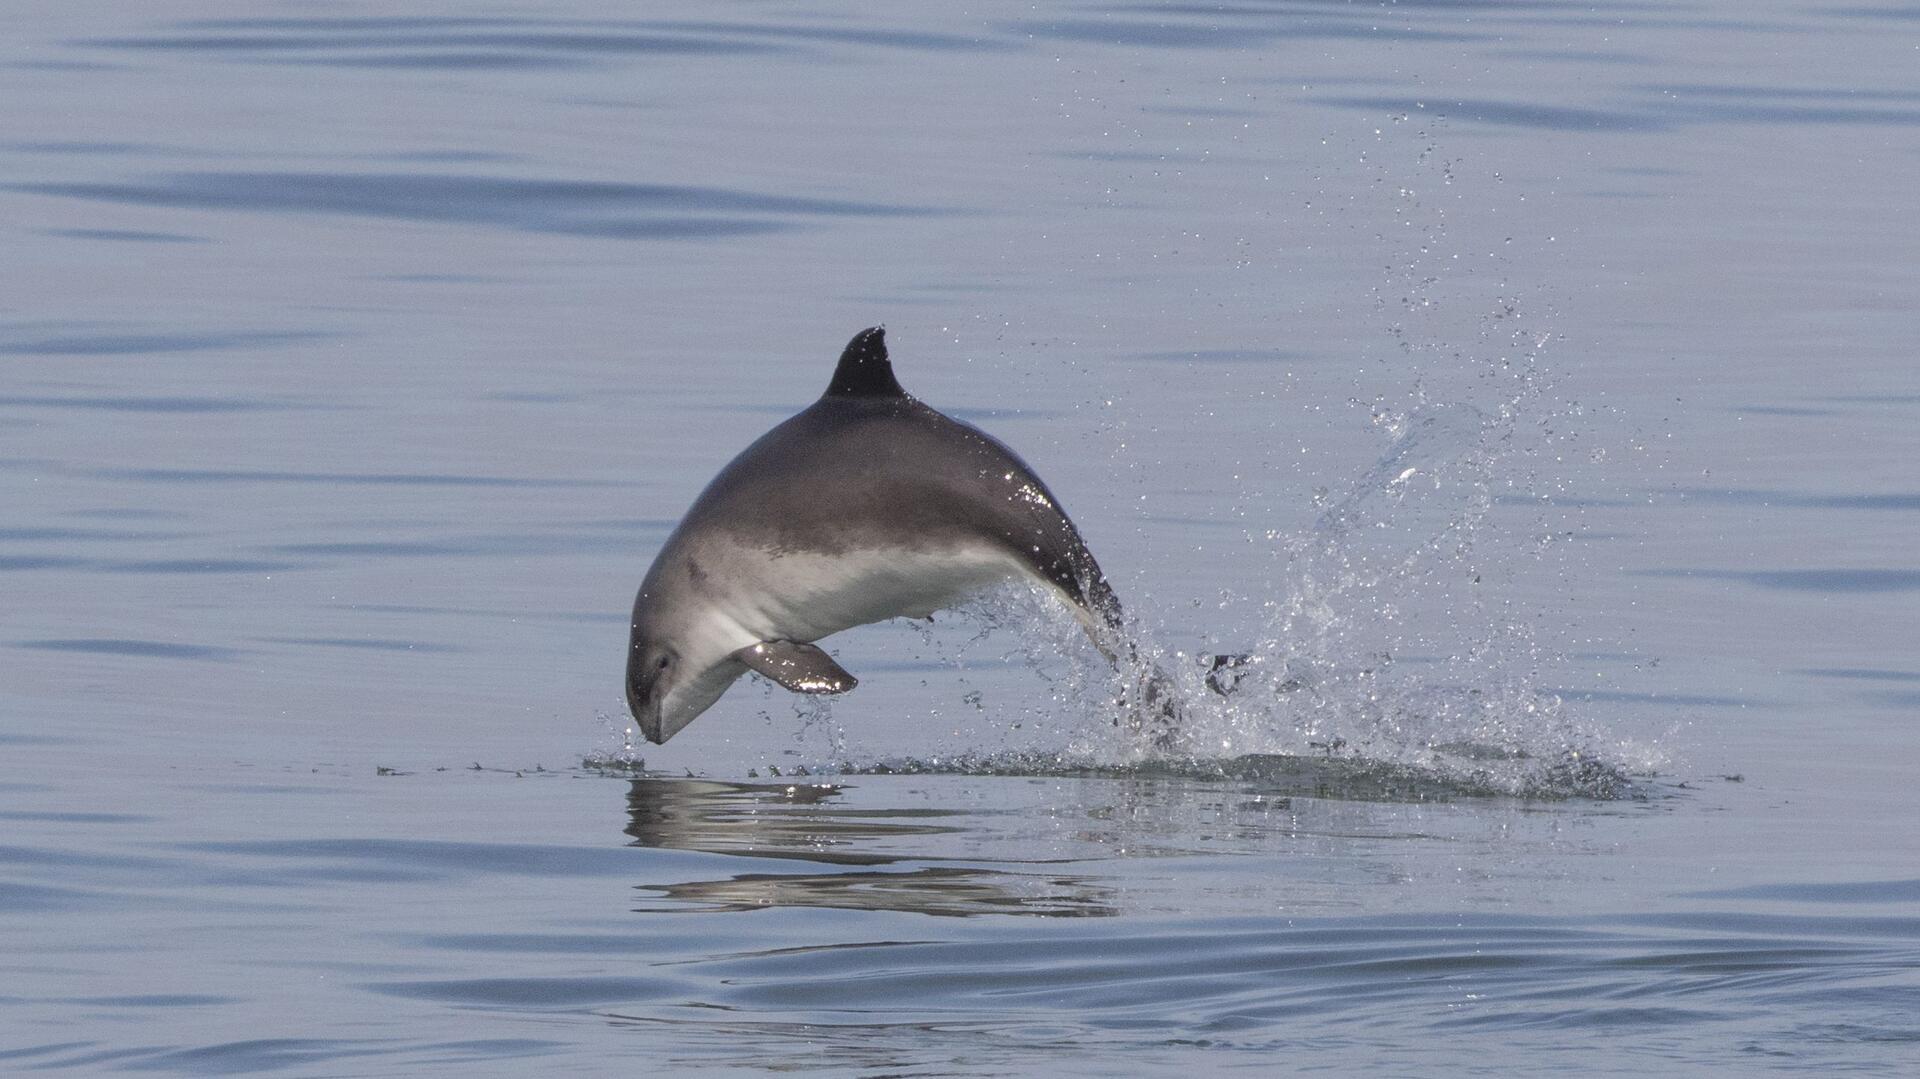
(807, 823)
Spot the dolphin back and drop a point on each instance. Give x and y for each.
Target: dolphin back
(870, 466)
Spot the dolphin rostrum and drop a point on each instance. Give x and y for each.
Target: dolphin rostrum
(866, 506)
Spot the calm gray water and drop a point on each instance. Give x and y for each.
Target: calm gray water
(1531, 387)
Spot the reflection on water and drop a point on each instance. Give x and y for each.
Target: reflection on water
(949, 891)
(763, 820)
(1074, 845)
(801, 822)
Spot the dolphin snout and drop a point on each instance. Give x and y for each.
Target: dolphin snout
(646, 714)
(649, 721)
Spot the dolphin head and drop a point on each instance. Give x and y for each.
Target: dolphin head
(650, 678)
(674, 672)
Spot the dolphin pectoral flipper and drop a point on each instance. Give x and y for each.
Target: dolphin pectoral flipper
(801, 668)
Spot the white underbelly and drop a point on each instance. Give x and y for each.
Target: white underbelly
(806, 596)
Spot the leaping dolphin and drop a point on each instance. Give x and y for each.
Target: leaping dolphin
(866, 506)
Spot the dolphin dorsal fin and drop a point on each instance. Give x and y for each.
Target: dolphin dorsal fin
(864, 370)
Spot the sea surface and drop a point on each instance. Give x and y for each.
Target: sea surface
(1531, 390)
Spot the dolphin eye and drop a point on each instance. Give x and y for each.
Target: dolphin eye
(665, 661)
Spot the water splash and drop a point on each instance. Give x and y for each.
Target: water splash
(621, 749)
(816, 721)
(1389, 657)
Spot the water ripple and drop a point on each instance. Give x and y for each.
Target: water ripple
(151, 404)
(372, 644)
(1207, 31)
(509, 42)
(1806, 580)
(279, 1054)
(112, 646)
(1897, 500)
(636, 539)
(12, 563)
(551, 992)
(568, 207)
(131, 344)
(432, 43)
(355, 479)
(1227, 355)
(1507, 113)
(1862, 674)
(439, 856)
(1226, 981)
(127, 236)
(201, 565)
(1657, 110)
(1876, 891)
